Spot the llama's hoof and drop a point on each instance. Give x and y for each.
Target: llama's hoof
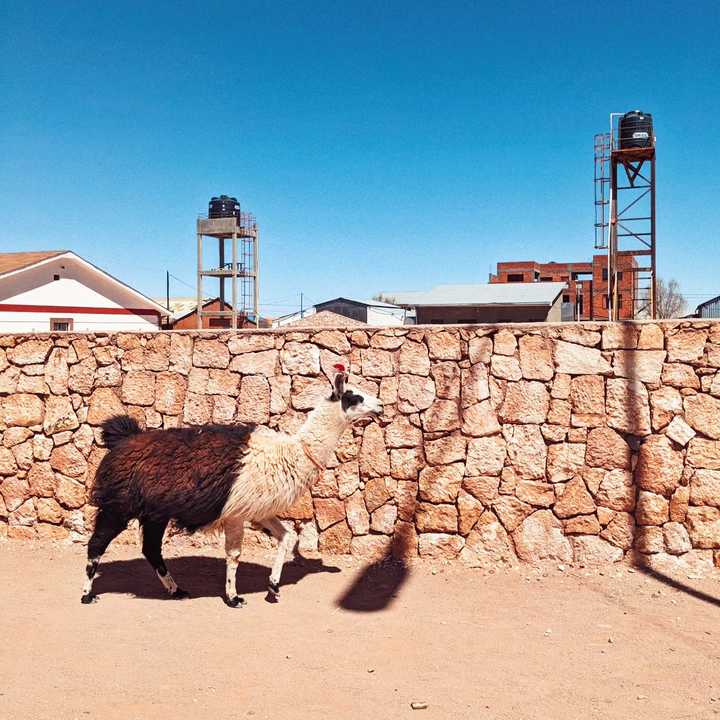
(180, 595)
(89, 598)
(235, 602)
(273, 593)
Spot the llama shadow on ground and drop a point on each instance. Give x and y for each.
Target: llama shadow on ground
(199, 575)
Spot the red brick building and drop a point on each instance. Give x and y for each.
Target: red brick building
(587, 283)
(185, 316)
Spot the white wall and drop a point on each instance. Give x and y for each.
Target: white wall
(280, 322)
(377, 316)
(16, 322)
(383, 316)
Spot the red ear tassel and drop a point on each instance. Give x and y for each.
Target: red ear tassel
(339, 367)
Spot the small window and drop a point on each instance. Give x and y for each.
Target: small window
(515, 277)
(56, 277)
(566, 298)
(619, 276)
(604, 274)
(61, 324)
(545, 278)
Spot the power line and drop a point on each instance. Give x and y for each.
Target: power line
(174, 277)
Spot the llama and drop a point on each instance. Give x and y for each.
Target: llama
(214, 476)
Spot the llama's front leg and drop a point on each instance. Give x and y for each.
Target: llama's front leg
(152, 533)
(287, 539)
(234, 531)
(107, 527)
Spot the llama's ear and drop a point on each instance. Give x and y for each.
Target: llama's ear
(339, 382)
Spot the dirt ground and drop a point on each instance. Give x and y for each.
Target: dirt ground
(347, 641)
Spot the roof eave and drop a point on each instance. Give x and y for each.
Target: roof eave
(70, 254)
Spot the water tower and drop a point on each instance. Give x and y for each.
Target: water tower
(625, 217)
(225, 222)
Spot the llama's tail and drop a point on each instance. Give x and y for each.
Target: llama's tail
(117, 428)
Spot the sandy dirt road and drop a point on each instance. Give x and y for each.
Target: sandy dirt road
(353, 643)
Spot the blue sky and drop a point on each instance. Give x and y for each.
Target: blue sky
(381, 145)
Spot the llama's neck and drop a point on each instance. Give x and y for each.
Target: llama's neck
(321, 431)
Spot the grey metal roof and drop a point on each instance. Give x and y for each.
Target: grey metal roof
(708, 302)
(369, 303)
(539, 293)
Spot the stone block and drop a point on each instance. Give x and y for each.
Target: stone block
(210, 354)
(540, 537)
(536, 358)
(441, 483)
(436, 518)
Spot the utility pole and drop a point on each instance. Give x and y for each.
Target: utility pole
(167, 290)
(301, 306)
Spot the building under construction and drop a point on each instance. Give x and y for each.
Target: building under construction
(619, 283)
(586, 293)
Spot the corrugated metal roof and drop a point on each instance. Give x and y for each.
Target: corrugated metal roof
(540, 293)
(180, 307)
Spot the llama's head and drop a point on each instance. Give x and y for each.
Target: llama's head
(354, 403)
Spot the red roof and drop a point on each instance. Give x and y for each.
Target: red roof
(18, 260)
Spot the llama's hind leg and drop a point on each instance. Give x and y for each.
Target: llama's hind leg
(234, 532)
(152, 549)
(108, 526)
(287, 540)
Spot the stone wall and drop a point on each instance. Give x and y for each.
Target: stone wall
(568, 442)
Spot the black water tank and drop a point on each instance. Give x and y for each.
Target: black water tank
(223, 206)
(636, 130)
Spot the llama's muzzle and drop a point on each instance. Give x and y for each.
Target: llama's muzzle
(378, 411)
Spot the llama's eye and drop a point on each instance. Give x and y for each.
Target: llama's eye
(349, 399)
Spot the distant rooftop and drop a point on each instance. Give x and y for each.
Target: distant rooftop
(326, 318)
(181, 307)
(540, 293)
(369, 303)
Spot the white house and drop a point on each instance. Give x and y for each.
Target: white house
(368, 312)
(57, 290)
